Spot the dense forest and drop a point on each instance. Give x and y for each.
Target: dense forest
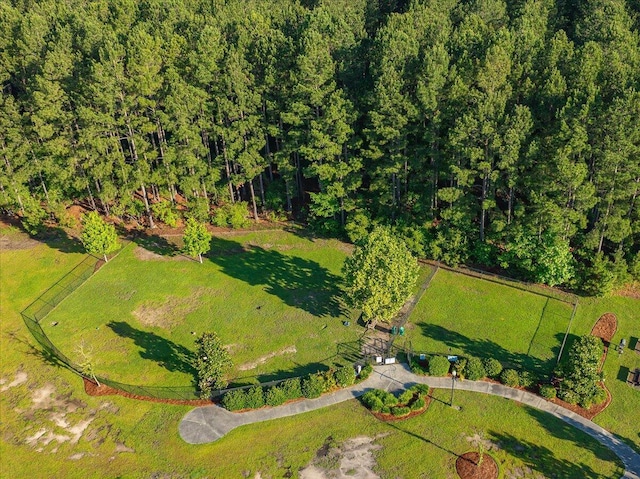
(505, 134)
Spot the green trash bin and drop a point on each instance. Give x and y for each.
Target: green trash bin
(394, 330)
(401, 330)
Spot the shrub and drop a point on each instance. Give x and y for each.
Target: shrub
(255, 397)
(238, 215)
(329, 380)
(372, 401)
(548, 391)
(493, 367)
(234, 400)
(345, 376)
(198, 209)
(421, 389)
(405, 397)
(291, 388)
(600, 396)
(475, 369)
(275, 396)
(165, 212)
(438, 366)
(400, 411)
(220, 217)
(510, 377)
(580, 371)
(461, 366)
(569, 396)
(416, 367)
(366, 371)
(527, 379)
(419, 403)
(313, 386)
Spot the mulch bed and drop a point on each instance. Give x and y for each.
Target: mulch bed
(467, 468)
(605, 327)
(392, 418)
(92, 389)
(590, 413)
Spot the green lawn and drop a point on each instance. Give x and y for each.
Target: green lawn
(272, 297)
(469, 316)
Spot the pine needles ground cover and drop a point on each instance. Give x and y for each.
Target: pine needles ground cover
(273, 298)
(470, 316)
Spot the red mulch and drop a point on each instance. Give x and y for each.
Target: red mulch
(391, 417)
(92, 389)
(467, 468)
(605, 327)
(590, 413)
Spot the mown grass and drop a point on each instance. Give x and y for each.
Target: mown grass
(263, 293)
(468, 316)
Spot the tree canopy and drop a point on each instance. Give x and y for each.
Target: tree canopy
(212, 363)
(380, 275)
(494, 132)
(196, 238)
(98, 237)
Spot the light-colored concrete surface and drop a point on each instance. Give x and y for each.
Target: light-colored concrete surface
(209, 423)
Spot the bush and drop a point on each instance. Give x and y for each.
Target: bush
(400, 411)
(329, 380)
(461, 366)
(254, 397)
(421, 389)
(275, 396)
(416, 367)
(600, 396)
(510, 377)
(475, 369)
(238, 215)
(405, 397)
(438, 366)
(527, 379)
(366, 371)
(291, 388)
(234, 400)
(198, 209)
(165, 212)
(418, 404)
(345, 376)
(313, 386)
(548, 391)
(372, 401)
(569, 396)
(493, 367)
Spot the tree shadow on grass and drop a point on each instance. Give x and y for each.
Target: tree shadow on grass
(422, 438)
(154, 243)
(171, 356)
(541, 459)
(298, 282)
(484, 348)
(299, 371)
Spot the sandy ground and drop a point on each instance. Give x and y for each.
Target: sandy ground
(354, 459)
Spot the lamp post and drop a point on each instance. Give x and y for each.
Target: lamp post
(454, 373)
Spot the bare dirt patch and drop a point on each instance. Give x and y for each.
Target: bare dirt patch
(20, 378)
(353, 459)
(146, 255)
(17, 241)
(266, 357)
(469, 466)
(168, 313)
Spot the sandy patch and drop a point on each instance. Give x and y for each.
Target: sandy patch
(352, 460)
(266, 357)
(16, 241)
(19, 378)
(146, 255)
(172, 310)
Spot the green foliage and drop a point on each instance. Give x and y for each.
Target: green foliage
(232, 215)
(421, 389)
(234, 400)
(365, 372)
(254, 397)
(165, 212)
(417, 368)
(198, 209)
(399, 411)
(196, 239)
(580, 372)
(212, 363)
(97, 236)
(527, 379)
(438, 366)
(345, 376)
(460, 366)
(33, 217)
(418, 404)
(475, 369)
(357, 226)
(291, 388)
(313, 385)
(510, 377)
(275, 396)
(405, 396)
(493, 367)
(380, 275)
(548, 391)
(379, 400)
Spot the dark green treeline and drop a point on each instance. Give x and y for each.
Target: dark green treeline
(500, 133)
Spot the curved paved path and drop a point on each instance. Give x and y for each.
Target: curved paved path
(209, 423)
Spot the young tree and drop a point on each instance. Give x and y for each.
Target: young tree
(212, 363)
(196, 239)
(581, 374)
(97, 236)
(380, 275)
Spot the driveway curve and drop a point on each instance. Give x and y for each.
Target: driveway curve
(209, 423)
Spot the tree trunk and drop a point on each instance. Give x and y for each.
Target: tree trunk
(146, 206)
(253, 201)
(200, 257)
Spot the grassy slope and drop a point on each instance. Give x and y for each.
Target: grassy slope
(481, 318)
(280, 291)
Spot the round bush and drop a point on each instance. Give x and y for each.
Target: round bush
(372, 401)
(345, 376)
(234, 400)
(475, 369)
(493, 367)
(400, 411)
(421, 389)
(416, 368)
(291, 388)
(438, 366)
(527, 379)
(405, 397)
(313, 386)
(461, 366)
(366, 371)
(510, 377)
(254, 397)
(418, 404)
(548, 391)
(275, 396)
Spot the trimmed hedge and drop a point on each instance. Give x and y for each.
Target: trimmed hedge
(438, 366)
(254, 397)
(510, 377)
(234, 400)
(548, 391)
(275, 396)
(313, 386)
(291, 388)
(493, 367)
(475, 369)
(345, 376)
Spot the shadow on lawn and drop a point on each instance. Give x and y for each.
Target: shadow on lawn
(422, 438)
(298, 282)
(542, 459)
(298, 371)
(484, 348)
(169, 355)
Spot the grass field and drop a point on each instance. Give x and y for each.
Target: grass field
(469, 316)
(51, 428)
(273, 298)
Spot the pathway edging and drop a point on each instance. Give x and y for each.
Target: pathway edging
(209, 423)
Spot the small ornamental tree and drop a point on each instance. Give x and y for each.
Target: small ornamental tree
(581, 375)
(97, 236)
(196, 239)
(380, 275)
(212, 363)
